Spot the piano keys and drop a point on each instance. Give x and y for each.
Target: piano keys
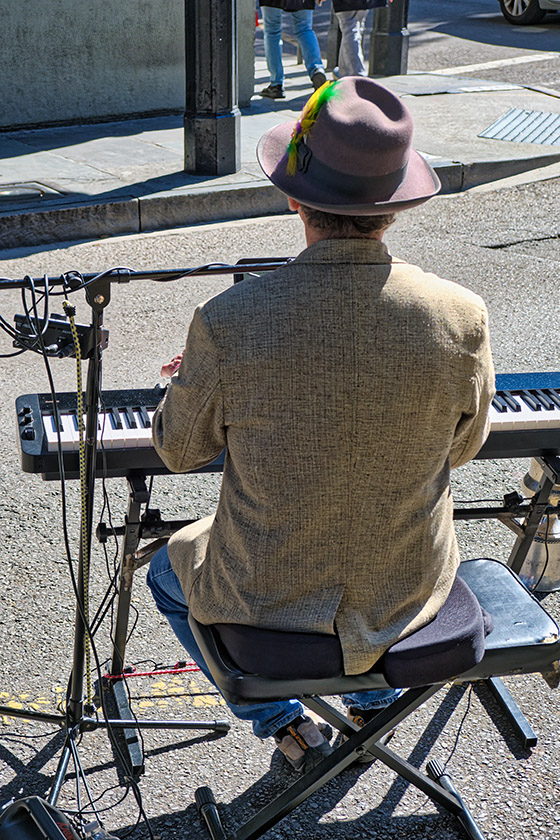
(524, 422)
(124, 435)
(524, 416)
(127, 427)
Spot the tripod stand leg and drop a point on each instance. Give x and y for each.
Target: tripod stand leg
(60, 774)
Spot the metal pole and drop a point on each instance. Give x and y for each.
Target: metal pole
(212, 118)
(388, 53)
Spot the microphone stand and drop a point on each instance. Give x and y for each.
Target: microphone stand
(77, 717)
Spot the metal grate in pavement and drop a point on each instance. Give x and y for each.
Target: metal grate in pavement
(521, 126)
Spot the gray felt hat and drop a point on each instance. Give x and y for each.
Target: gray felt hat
(351, 153)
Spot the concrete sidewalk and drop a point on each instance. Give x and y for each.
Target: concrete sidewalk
(87, 181)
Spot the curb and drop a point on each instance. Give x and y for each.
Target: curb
(60, 221)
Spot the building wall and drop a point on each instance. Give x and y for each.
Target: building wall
(66, 61)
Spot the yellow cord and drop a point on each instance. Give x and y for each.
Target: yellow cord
(69, 310)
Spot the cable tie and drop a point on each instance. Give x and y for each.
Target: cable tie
(126, 674)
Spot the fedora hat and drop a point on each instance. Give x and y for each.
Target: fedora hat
(350, 152)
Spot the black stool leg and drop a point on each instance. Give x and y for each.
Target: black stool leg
(437, 773)
(208, 811)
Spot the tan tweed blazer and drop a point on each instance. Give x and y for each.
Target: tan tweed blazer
(345, 385)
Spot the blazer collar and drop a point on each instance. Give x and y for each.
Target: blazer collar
(346, 250)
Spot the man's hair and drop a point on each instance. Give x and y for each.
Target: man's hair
(346, 226)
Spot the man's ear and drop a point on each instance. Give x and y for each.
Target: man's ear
(293, 204)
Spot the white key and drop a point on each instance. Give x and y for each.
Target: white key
(68, 435)
(502, 420)
(527, 418)
(130, 436)
(108, 437)
(144, 434)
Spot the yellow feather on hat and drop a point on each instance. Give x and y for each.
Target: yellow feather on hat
(306, 122)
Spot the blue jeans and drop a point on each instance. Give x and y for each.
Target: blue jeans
(302, 24)
(350, 54)
(267, 718)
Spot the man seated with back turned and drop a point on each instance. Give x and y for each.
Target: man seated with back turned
(345, 386)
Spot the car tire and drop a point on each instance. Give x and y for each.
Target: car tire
(522, 12)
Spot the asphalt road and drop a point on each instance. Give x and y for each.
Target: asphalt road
(503, 243)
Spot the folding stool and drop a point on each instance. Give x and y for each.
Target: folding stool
(521, 638)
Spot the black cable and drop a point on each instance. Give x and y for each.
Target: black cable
(11, 355)
(37, 326)
(190, 272)
(84, 811)
(477, 501)
(547, 557)
(73, 281)
(453, 748)
(460, 727)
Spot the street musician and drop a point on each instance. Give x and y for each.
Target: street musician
(345, 385)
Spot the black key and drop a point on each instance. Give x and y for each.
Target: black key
(115, 418)
(130, 418)
(543, 399)
(508, 398)
(530, 401)
(144, 419)
(499, 404)
(57, 426)
(553, 395)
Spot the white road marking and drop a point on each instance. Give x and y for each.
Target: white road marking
(500, 62)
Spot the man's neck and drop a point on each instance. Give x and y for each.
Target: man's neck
(313, 235)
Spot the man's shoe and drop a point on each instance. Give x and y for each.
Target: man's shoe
(304, 743)
(273, 92)
(318, 79)
(360, 717)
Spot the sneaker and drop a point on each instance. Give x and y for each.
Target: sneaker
(318, 79)
(336, 73)
(304, 743)
(273, 92)
(360, 717)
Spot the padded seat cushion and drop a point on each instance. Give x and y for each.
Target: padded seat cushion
(282, 655)
(449, 645)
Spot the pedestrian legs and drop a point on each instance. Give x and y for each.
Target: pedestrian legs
(272, 30)
(350, 55)
(307, 39)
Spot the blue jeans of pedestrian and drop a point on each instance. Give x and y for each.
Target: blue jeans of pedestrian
(350, 54)
(266, 718)
(302, 24)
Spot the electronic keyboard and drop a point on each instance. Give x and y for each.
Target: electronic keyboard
(524, 422)
(124, 435)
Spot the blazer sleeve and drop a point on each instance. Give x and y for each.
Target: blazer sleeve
(474, 425)
(188, 426)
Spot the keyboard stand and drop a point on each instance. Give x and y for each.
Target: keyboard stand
(134, 529)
